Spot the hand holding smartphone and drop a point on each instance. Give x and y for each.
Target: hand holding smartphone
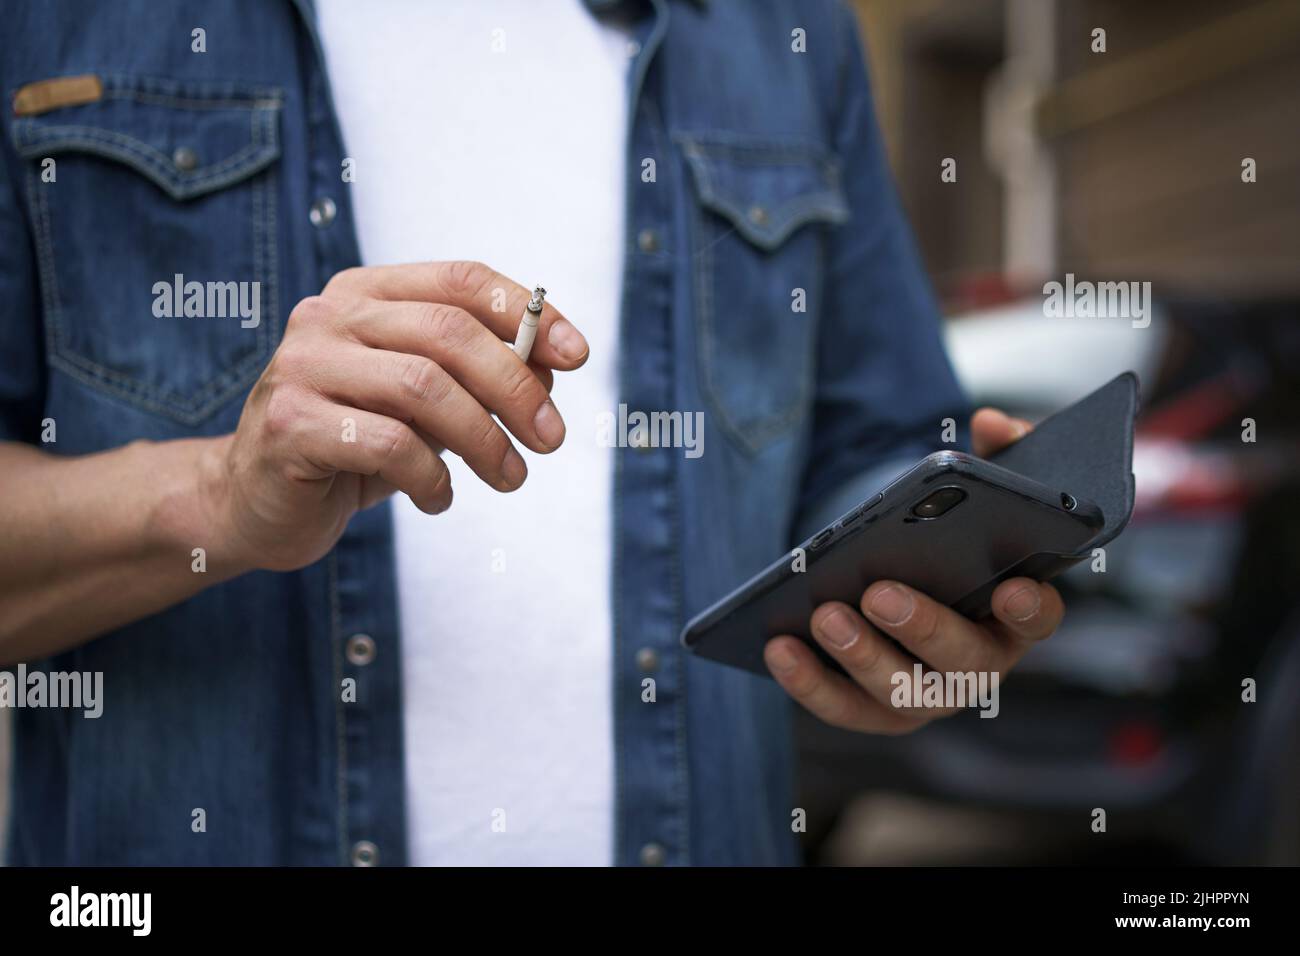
(953, 527)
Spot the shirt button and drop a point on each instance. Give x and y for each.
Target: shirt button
(652, 854)
(757, 215)
(647, 659)
(323, 212)
(185, 159)
(365, 853)
(647, 240)
(361, 649)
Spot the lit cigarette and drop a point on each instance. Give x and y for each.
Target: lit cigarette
(528, 325)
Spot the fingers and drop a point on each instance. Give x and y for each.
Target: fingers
(930, 631)
(495, 300)
(992, 430)
(331, 438)
(418, 391)
(460, 344)
(544, 375)
(451, 338)
(829, 696)
(1027, 610)
(870, 659)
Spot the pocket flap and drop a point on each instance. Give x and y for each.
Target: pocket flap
(187, 138)
(766, 188)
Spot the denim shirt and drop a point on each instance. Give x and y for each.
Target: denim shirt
(770, 283)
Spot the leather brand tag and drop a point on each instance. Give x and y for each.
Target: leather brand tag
(46, 95)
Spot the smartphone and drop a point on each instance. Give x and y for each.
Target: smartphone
(953, 527)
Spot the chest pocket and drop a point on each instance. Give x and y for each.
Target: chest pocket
(758, 249)
(154, 213)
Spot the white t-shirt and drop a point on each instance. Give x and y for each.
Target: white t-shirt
(495, 131)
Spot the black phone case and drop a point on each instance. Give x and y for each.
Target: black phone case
(1085, 450)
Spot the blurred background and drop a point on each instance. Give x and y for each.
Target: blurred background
(1122, 165)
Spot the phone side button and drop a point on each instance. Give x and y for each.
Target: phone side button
(820, 538)
(860, 510)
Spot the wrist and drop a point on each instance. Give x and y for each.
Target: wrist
(195, 510)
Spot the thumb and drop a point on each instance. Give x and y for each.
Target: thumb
(992, 430)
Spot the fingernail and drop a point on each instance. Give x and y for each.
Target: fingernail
(549, 425)
(513, 471)
(837, 627)
(567, 340)
(1024, 604)
(892, 605)
(782, 660)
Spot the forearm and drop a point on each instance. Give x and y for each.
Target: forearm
(95, 542)
(356, 402)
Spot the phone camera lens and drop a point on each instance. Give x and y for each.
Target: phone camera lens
(941, 502)
(1068, 502)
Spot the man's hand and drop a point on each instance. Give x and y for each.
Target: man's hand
(376, 376)
(1024, 612)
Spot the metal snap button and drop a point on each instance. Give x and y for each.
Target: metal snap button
(652, 854)
(758, 215)
(648, 240)
(360, 649)
(185, 159)
(647, 659)
(323, 212)
(365, 853)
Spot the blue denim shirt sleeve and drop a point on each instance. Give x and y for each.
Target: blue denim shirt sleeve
(884, 383)
(22, 363)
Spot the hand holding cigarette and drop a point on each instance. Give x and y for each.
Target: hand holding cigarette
(374, 377)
